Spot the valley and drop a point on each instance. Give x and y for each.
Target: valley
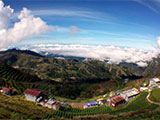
(85, 87)
(79, 60)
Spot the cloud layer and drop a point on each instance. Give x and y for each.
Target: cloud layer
(151, 4)
(26, 27)
(111, 53)
(158, 41)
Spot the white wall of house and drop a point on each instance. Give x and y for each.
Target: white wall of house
(30, 97)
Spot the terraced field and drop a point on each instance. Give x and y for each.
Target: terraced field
(10, 77)
(11, 74)
(16, 107)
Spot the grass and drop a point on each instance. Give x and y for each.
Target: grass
(79, 100)
(138, 104)
(137, 109)
(16, 107)
(155, 95)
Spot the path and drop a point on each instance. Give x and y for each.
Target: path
(151, 100)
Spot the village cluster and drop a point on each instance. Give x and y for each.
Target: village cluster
(123, 97)
(38, 97)
(114, 99)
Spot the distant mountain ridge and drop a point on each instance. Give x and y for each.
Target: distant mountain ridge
(153, 68)
(67, 78)
(10, 57)
(84, 77)
(34, 63)
(22, 52)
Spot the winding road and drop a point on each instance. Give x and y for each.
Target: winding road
(149, 94)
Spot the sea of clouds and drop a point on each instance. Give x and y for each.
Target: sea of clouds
(27, 25)
(111, 53)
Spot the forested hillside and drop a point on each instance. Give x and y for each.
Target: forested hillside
(64, 70)
(10, 77)
(64, 78)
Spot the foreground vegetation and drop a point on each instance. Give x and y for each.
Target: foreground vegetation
(10, 77)
(67, 88)
(155, 95)
(17, 107)
(70, 79)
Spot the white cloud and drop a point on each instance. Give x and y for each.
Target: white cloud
(5, 15)
(158, 41)
(71, 29)
(78, 13)
(27, 26)
(151, 4)
(74, 30)
(111, 53)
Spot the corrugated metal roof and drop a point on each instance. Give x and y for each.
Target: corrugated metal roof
(57, 103)
(33, 92)
(54, 103)
(116, 98)
(130, 92)
(94, 102)
(155, 79)
(113, 96)
(85, 106)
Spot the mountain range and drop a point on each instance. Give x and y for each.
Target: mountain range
(77, 77)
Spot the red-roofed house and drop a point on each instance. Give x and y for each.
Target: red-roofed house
(115, 100)
(51, 103)
(33, 95)
(7, 91)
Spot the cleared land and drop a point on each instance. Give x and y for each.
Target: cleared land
(17, 107)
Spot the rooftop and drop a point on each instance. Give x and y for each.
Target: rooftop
(33, 92)
(6, 89)
(130, 92)
(155, 79)
(116, 98)
(94, 102)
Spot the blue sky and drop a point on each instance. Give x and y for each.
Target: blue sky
(125, 23)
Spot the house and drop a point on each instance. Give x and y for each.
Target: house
(33, 95)
(7, 91)
(154, 81)
(43, 102)
(64, 104)
(115, 100)
(129, 94)
(143, 88)
(91, 104)
(101, 101)
(85, 106)
(51, 103)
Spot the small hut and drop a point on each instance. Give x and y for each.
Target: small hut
(7, 91)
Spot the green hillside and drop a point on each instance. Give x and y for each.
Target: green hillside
(64, 70)
(17, 107)
(155, 95)
(10, 77)
(64, 78)
(153, 68)
(68, 79)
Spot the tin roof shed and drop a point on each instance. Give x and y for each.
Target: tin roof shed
(33, 92)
